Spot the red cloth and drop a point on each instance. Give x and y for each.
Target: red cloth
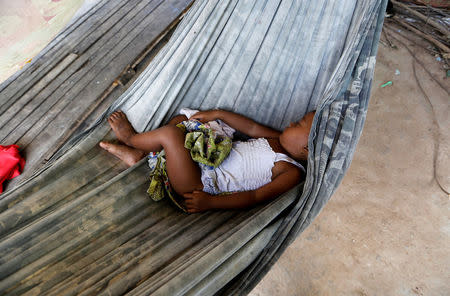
(11, 163)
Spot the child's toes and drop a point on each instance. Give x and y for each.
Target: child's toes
(104, 145)
(122, 115)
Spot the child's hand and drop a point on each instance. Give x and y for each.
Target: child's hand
(198, 201)
(205, 116)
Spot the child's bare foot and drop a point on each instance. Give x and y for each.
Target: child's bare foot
(121, 126)
(127, 154)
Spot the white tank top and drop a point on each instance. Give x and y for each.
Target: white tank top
(248, 167)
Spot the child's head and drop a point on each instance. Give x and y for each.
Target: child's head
(294, 138)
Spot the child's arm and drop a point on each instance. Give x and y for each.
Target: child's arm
(238, 122)
(199, 201)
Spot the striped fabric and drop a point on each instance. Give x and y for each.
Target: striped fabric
(84, 225)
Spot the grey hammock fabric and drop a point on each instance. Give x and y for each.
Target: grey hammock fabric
(84, 225)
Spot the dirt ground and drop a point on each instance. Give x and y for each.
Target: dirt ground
(27, 26)
(386, 230)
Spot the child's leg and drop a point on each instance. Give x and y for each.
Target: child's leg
(184, 174)
(127, 154)
(177, 119)
(123, 129)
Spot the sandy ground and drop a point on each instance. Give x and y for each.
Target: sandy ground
(27, 26)
(386, 230)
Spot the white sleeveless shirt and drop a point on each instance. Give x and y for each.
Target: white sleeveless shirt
(247, 167)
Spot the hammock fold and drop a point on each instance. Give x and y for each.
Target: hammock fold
(83, 224)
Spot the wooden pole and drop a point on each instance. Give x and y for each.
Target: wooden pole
(443, 47)
(426, 19)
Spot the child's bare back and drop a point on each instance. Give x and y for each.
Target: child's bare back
(263, 179)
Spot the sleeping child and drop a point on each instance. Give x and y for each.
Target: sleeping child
(254, 171)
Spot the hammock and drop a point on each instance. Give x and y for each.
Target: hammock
(83, 223)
